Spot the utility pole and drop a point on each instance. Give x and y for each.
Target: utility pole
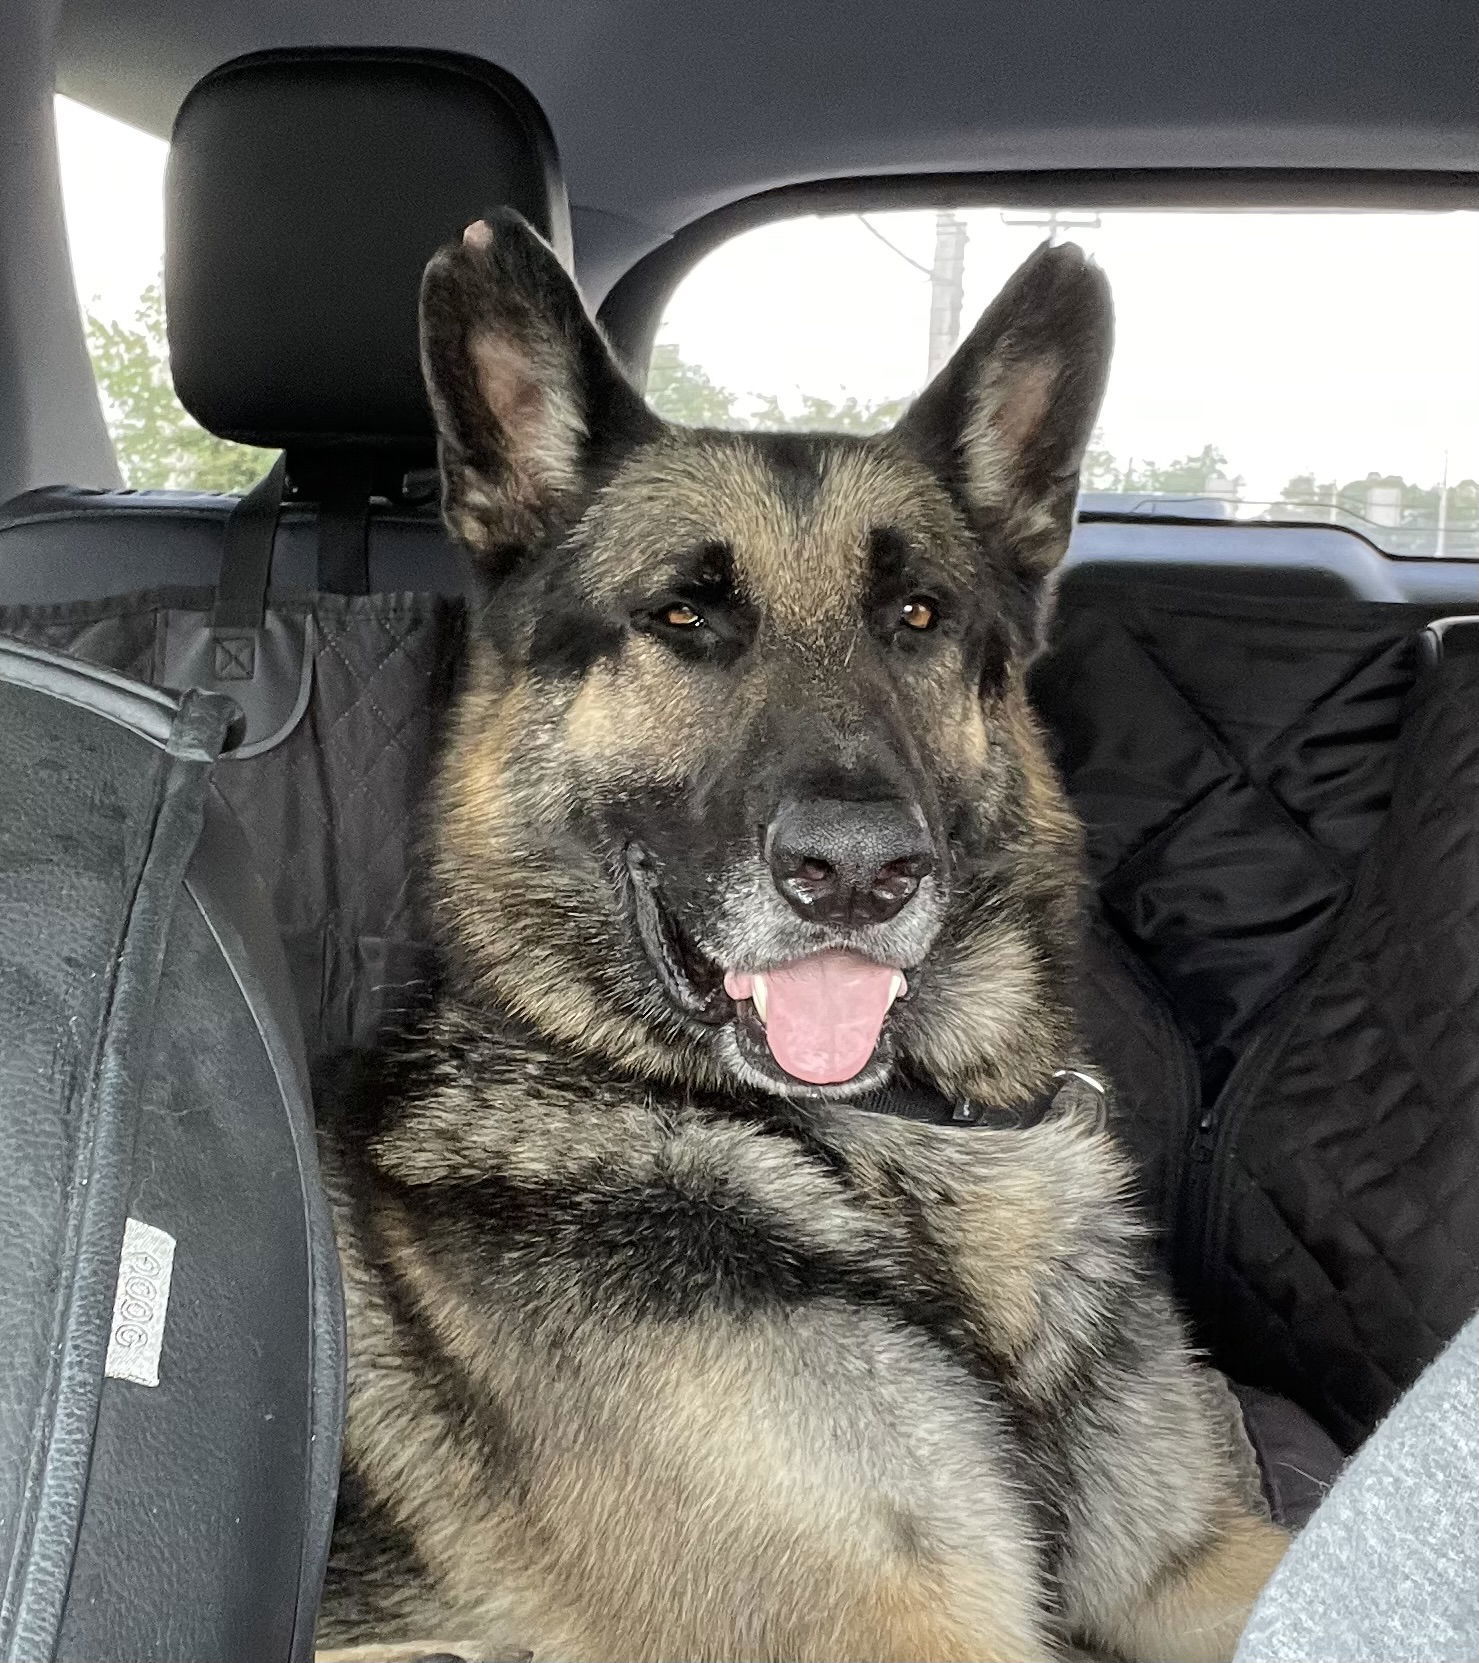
(947, 271)
(947, 289)
(1054, 221)
(1440, 547)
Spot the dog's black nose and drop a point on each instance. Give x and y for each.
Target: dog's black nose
(848, 863)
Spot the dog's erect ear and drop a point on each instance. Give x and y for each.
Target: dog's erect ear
(527, 397)
(1007, 421)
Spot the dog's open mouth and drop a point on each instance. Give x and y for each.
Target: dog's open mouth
(821, 1017)
(818, 1020)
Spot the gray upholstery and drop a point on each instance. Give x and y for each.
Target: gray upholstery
(66, 544)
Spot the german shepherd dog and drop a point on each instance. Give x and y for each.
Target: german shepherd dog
(662, 1345)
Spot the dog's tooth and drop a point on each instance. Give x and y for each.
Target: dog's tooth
(758, 993)
(895, 987)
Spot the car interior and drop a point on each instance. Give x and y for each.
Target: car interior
(1266, 711)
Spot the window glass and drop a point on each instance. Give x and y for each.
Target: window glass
(1292, 366)
(113, 196)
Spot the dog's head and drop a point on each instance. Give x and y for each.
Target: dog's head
(743, 784)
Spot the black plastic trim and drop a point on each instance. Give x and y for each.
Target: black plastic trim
(1447, 638)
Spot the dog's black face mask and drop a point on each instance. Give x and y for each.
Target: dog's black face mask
(744, 784)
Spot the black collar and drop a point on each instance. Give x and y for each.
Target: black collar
(1072, 1091)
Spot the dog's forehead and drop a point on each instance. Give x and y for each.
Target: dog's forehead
(796, 514)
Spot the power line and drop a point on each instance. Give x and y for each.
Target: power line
(909, 259)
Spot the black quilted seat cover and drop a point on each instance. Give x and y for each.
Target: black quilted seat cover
(1345, 1217)
(1231, 761)
(330, 809)
(1282, 810)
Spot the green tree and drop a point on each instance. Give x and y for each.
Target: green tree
(1305, 498)
(823, 415)
(156, 443)
(1101, 469)
(1416, 531)
(1188, 476)
(1197, 474)
(684, 392)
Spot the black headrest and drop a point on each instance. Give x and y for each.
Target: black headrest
(306, 191)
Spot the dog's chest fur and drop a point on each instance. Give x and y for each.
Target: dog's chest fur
(522, 1175)
(574, 1291)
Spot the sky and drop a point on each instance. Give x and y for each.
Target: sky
(113, 192)
(1338, 344)
(1333, 343)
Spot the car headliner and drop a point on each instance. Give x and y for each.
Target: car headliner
(664, 110)
(667, 111)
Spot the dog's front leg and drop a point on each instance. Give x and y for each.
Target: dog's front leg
(1194, 1610)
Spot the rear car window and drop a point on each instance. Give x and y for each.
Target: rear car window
(1304, 366)
(113, 198)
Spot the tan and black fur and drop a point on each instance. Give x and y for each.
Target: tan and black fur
(654, 1352)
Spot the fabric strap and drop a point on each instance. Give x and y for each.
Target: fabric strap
(246, 556)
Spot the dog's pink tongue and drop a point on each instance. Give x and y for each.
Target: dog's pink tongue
(823, 1015)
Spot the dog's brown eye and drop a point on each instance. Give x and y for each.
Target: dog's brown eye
(918, 613)
(680, 616)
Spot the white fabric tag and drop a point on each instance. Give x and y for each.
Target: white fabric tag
(139, 1304)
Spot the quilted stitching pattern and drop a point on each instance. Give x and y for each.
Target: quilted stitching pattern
(340, 799)
(1343, 1249)
(330, 813)
(1230, 771)
(1362, 1129)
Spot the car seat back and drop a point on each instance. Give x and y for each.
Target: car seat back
(172, 1406)
(1282, 808)
(306, 190)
